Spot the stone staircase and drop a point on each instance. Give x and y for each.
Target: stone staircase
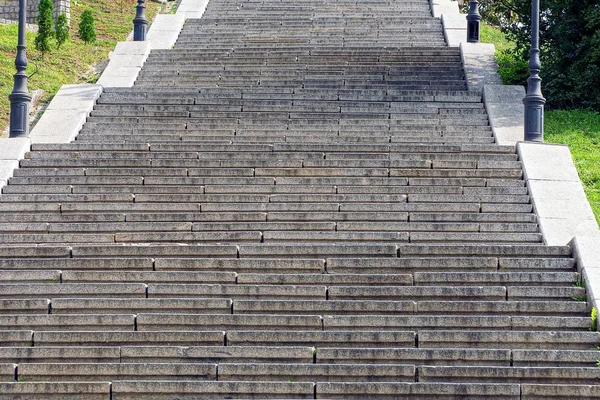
(300, 200)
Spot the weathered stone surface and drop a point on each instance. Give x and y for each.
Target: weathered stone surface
(124, 338)
(417, 390)
(359, 339)
(210, 390)
(45, 372)
(197, 354)
(59, 354)
(153, 322)
(316, 372)
(415, 356)
(7, 372)
(523, 375)
(57, 390)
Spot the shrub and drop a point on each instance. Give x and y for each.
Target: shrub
(62, 30)
(44, 20)
(87, 29)
(569, 41)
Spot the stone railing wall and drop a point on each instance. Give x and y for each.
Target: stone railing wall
(9, 10)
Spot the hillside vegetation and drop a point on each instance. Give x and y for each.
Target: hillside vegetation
(74, 62)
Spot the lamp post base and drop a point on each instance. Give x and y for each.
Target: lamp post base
(19, 114)
(534, 118)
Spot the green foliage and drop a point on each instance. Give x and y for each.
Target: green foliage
(87, 28)
(62, 30)
(594, 318)
(73, 61)
(570, 46)
(45, 32)
(580, 130)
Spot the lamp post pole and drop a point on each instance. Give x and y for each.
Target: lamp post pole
(140, 23)
(20, 98)
(534, 101)
(473, 19)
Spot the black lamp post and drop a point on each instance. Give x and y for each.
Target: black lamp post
(20, 98)
(534, 101)
(473, 19)
(140, 23)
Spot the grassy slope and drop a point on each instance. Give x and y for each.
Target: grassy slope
(579, 129)
(73, 62)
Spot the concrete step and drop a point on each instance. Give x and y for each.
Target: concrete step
(61, 338)
(52, 372)
(140, 389)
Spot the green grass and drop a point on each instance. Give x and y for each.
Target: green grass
(74, 61)
(513, 70)
(579, 129)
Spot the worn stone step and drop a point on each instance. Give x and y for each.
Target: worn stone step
(49, 372)
(188, 390)
(7, 372)
(325, 279)
(447, 356)
(16, 338)
(316, 250)
(198, 354)
(159, 322)
(134, 306)
(104, 264)
(118, 338)
(334, 390)
(357, 339)
(523, 375)
(147, 277)
(481, 250)
(489, 293)
(555, 358)
(22, 276)
(323, 307)
(316, 372)
(72, 290)
(120, 251)
(265, 266)
(532, 307)
(385, 322)
(72, 355)
(563, 392)
(408, 265)
(56, 390)
(24, 306)
(504, 278)
(69, 322)
(508, 340)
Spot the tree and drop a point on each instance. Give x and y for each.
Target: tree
(44, 20)
(569, 42)
(62, 30)
(87, 30)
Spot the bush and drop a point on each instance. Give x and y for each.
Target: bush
(62, 30)
(44, 20)
(569, 41)
(87, 29)
(514, 70)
